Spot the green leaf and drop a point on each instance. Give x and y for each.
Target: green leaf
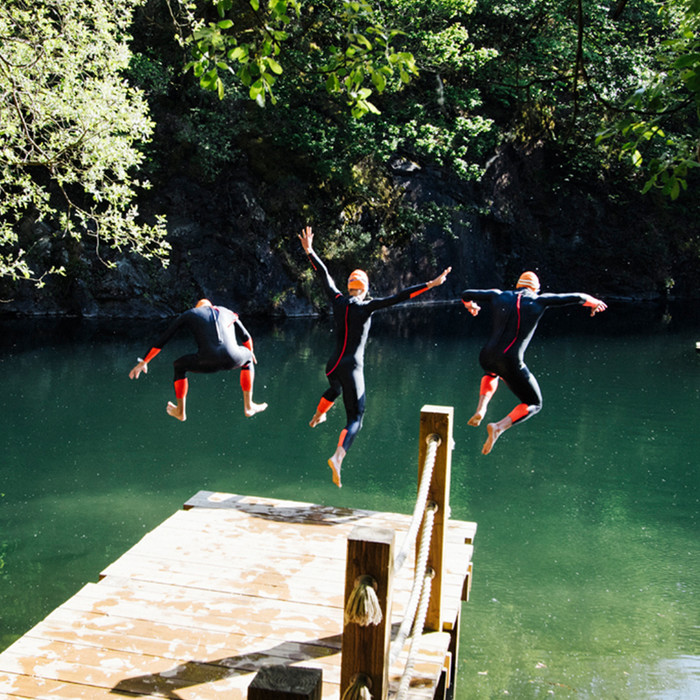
(332, 83)
(687, 60)
(238, 53)
(379, 81)
(274, 66)
(675, 189)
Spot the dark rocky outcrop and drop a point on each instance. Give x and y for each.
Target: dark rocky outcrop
(235, 242)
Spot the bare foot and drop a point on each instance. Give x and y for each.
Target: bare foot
(175, 411)
(476, 419)
(318, 418)
(335, 467)
(254, 408)
(494, 433)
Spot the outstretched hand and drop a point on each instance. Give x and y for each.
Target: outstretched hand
(596, 305)
(142, 366)
(472, 307)
(440, 279)
(307, 239)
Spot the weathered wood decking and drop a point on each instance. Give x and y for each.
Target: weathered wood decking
(220, 589)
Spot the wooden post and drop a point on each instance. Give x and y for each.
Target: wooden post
(437, 420)
(370, 551)
(286, 683)
(451, 690)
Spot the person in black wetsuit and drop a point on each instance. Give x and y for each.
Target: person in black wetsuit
(215, 331)
(515, 318)
(345, 368)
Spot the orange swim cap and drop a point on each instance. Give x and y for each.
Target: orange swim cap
(358, 280)
(529, 280)
(202, 302)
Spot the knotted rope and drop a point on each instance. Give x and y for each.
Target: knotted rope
(363, 605)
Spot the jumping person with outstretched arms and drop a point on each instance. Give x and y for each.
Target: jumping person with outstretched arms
(215, 331)
(352, 315)
(515, 315)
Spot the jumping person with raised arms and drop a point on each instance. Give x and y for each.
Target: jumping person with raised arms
(215, 331)
(515, 315)
(352, 315)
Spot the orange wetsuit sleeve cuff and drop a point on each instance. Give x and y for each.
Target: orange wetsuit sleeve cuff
(423, 288)
(151, 354)
(248, 344)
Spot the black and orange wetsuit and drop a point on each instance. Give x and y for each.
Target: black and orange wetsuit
(515, 315)
(214, 330)
(345, 368)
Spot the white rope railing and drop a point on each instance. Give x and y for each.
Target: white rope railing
(421, 501)
(417, 632)
(421, 566)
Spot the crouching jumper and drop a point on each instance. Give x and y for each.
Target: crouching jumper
(215, 331)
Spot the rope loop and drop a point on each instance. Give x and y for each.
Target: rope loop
(359, 688)
(363, 604)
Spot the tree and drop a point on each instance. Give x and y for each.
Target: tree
(69, 130)
(661, 119)
(346, 45)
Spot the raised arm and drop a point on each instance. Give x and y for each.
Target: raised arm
(307, 240)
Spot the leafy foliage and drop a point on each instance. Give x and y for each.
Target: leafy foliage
(588, 73)
(69, 129)
(346, 45)
(662, 115)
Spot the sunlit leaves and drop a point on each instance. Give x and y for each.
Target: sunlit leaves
(659, 131)
(347, 48)
(70, 126)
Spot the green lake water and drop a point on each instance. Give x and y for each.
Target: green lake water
(586, 564)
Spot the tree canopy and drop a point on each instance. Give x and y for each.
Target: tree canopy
(342, 89)
(660, 121)
(70, 126)
(347, 45)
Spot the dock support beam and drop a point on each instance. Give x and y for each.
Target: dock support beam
(286, 683)
(370, 551)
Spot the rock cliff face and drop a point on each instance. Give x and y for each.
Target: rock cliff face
(235, 243)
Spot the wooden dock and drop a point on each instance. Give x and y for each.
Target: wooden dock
(233, 586)
(222, 588)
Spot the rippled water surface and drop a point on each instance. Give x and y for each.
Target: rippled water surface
(587, 571)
